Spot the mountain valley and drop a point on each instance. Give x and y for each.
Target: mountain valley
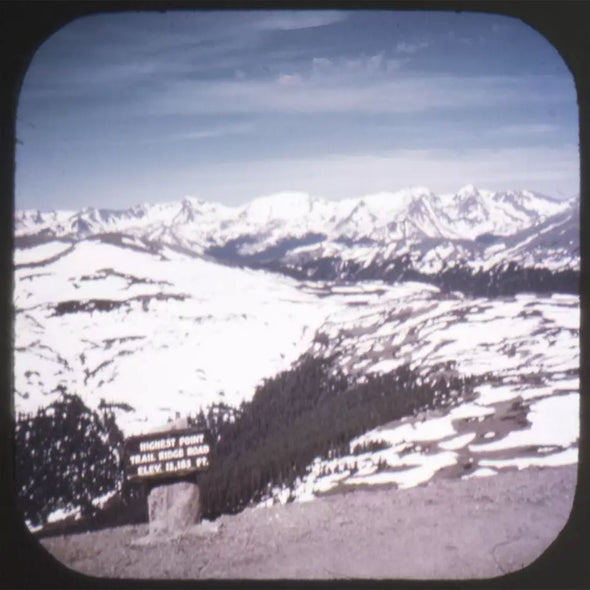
(169, 309)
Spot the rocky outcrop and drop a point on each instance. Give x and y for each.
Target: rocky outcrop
(173, 508)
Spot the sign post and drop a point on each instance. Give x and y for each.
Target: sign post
(165, 460)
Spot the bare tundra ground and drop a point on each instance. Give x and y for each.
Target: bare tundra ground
(476, 528)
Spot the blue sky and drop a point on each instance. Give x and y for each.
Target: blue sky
(126, 108)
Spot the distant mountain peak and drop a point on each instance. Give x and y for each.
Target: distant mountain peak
(413, 212)
(414, 191)
(189, 200)
(468, 190)
(283, 205)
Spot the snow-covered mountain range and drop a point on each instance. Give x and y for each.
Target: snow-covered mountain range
(167, 308)
(296, 223)
(411, 212)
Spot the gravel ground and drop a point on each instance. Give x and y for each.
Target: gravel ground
(477, 528)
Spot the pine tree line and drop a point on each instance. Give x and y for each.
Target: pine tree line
(504, 279)
(67, 455)
(304, 413)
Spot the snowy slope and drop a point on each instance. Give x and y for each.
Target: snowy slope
(378, 236)
(161, 332)
(154, 309)
(525, 411)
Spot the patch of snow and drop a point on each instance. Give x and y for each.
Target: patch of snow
(492, 394)
(457, 442)
(421, 469)
(385, 366)
(62, 513)
(481, 472)
(555, 421)
(39, 253)
(567, 457)
(429, 430)
(470, 410)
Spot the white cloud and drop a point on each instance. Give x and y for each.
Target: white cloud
(392, 65)
(221, 131)
(159, 138)
(289, 79)
(548, 170)
(321, 64)
(375, 63)
(288, 20)
(405, 47)
(101, 53)
(351, 88)
(350, 71)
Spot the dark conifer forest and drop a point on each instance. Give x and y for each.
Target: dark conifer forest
(498, 281)
(502, 279)
(307, 412)
(67, 454)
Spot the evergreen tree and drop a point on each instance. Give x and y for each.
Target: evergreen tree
(65, 456)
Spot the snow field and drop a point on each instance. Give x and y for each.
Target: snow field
(234, 328)
(40, 253)
(410, 469)
(495, 336)
(554, 423)
(231, 328)
(503, 336)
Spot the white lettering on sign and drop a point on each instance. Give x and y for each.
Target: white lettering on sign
(201, 462)
(178, 465)
(198, 450)
(191, 439)
(166, 454)
(144, 458)
(172, 454)
(149, 469)
(156, 445)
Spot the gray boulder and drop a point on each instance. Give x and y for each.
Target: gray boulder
(174, 508)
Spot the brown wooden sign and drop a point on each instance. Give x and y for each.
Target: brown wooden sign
(165, 454)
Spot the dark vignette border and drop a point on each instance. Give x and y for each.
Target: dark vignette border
(25, 25)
